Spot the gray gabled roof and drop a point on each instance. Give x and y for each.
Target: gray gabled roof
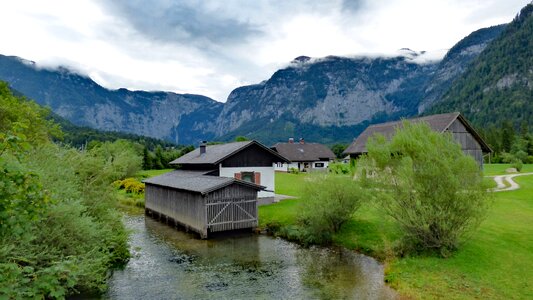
(217, 153)
(304, 152)
(196, 181)
(439, 123)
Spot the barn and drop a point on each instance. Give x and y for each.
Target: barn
(215, 187)
(454, 123)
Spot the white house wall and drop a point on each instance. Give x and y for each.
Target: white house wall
(326, 164)
(267, 177)
(286, 167)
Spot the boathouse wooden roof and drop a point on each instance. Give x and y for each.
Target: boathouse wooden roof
(304, 152)
(215, 154)
(197, 181)
(439, 123)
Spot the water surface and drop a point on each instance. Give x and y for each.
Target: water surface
(171, 264)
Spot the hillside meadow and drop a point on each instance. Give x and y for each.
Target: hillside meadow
(494, 263)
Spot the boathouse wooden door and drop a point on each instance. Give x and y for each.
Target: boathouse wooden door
(231, 208)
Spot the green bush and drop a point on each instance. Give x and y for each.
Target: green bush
(428, 185)
(330, 201)
(294, 170)
(339, 168)
(517, 164)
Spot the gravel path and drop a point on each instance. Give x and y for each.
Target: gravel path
(509, 178)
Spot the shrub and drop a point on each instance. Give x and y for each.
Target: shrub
(339, 168)
(130, 185)
(294, 170)
(517, 164)
(425, 182)
(329, 201)
(59, 230)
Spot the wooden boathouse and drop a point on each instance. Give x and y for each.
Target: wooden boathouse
(215, 188)
(462, 132)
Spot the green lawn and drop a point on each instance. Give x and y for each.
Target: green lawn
(499, 169)
(151, 173)
(496, 263)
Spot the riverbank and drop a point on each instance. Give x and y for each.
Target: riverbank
(494, 264)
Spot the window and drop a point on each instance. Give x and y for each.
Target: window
(279, 165)
(319, 165)
(248, 176)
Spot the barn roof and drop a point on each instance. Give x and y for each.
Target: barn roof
(439, 123)
(217, 153)
(196, 181)
(304, 152)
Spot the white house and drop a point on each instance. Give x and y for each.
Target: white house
(248, 161)
(303, 156)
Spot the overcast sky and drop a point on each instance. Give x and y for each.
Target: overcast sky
(211, 47)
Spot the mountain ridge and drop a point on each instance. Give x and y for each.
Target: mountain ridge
(498, 86)
(330, 99)
(84, 102)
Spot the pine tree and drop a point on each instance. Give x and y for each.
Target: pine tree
(159, 159)
(147, 159)
(507, 136)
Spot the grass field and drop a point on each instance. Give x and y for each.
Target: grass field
(499, 169)
(151, 173)
(495, 263)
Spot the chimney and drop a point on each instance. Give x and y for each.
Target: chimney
(291, 140)
(203, 146)
(302, 141)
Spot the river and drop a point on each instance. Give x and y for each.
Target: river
(168, 263)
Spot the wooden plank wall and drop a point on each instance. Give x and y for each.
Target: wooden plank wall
(184, 207)
(233, 207)
(468, 143)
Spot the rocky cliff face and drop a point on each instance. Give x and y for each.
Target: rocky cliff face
(174, 117)
(332, 91)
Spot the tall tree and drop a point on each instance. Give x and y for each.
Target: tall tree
(507, 136)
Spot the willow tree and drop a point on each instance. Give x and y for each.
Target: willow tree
(424, 181)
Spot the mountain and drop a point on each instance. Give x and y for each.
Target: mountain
(455, 63)
(498, 85)
(328, 99)
(164, 115)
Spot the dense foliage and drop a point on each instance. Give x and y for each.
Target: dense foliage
(59, 228)
(508, 145)
(426, 183)
(338, 149)
(497, 85)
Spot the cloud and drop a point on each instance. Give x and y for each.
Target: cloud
(182, 22)
(211, 47)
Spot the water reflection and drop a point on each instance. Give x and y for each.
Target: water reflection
(170, 264)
